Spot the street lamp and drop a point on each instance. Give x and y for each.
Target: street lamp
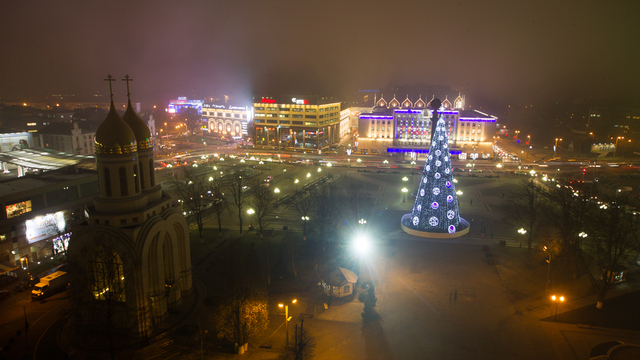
(362, 221)
(283, 171)
(615, 149)
(319, 169)
(548, 268)
(404, 191)
(277, 191)
(296, 182)
(522, 231)
(251, 212)
(308, 176)
(557, 299)
(287, 318)
(405, 179)
(555, 147)
(25, 260)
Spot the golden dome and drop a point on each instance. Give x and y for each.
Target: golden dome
(140, 129)
(114, 136)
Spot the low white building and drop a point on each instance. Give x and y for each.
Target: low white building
(227, 119)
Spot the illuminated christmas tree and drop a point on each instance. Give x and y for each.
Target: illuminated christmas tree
(436, 207)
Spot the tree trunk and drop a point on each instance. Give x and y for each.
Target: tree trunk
(240, 218)
(219, 224)
(293, 261)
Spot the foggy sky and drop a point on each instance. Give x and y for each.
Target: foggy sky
(493, 51)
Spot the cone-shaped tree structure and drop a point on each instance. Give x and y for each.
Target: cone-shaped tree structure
(436, 207)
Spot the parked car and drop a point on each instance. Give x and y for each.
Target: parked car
(4, 294)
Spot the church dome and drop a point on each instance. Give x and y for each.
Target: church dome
(140, 129)
(114, 136)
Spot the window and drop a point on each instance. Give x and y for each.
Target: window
(297, 116)
(124, 191)
(135, 178)
(272, 109)
(106, 274)
(259, 121)
(310, 117)
(296, 110)
(311, 110)
(272, 121)
(259, 108)
(271, 115)
(260, 115)
(227, 115)
(107, 181)
(310, 123)
(284, 115)
(284, 122)
(296, 122)
(18, 209)
(237, 116)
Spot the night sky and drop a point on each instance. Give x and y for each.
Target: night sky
(493, 51)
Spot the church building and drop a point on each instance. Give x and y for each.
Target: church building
(130, 261)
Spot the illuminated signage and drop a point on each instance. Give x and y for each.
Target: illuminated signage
(602, 148)
(300, 101)
(267, 101)
(43, 227)
(18, 209)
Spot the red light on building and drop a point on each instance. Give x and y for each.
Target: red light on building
(267, 101)
(527, 143)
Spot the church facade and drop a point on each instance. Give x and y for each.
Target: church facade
(131, 259)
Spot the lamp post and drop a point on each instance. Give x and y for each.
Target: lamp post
(522, 231)
(362, 221)
(555, 147)
(25, 260)
(283, 171)
(277, 191)
(305, 219)
(546, 289)
(404, 192)
(251, 212)
(296, 182)
(287, 318)
(308, 176)
(557, 300)
(615, 150)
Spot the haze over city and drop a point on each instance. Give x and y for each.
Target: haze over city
(495, 52)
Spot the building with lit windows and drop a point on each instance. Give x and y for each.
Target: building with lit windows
(227, 119)
(407, 125)
(313, 123)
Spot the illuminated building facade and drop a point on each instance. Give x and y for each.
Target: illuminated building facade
(313, 123)
(408, 124)
(228, 120)
(175, 106)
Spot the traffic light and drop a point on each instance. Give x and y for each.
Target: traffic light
(584, 171)
(527, 143)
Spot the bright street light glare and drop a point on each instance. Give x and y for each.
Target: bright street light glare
(361, 244)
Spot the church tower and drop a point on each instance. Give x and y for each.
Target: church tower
(133, 250)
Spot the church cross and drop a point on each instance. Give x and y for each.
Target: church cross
(127, 79)
(110, 79)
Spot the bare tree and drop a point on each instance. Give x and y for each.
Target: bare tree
(304, 208)
(262, 201)
(233, 184)
(243, 310)
(219, 203)
(193, 193)
(568, 212)
(525, 208)
(358, 201)
(613, 242)
(301, 345)
(327, 208)
(98, 291)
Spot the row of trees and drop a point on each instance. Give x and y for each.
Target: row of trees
(579, 226)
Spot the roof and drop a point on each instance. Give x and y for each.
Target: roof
(6, 267)
(114, 136)
(140, 129)
(42, 159)
(339, 276)
(27, 184)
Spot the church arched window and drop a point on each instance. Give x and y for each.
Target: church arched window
(107, 181)
(124, 190)
(136, 181)
(151, 173)
(142, 175)
(106, 274)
